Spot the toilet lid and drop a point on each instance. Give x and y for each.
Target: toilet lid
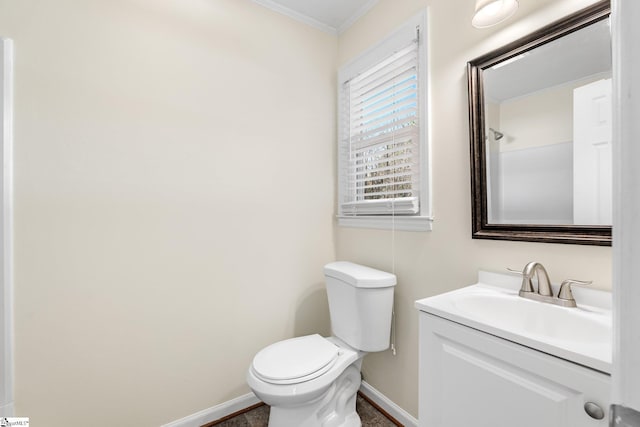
(295, 360)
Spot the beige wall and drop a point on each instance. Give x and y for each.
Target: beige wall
(447, 257)
(538, 119)
(174, 189)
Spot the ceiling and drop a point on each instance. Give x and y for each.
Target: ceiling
(332, 16)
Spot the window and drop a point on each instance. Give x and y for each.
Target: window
(383, 151)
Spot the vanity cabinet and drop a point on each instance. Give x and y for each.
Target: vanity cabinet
(470, 378)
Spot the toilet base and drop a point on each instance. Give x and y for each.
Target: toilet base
(335, 408)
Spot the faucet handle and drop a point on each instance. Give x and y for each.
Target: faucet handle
(565, 288)
(527, 286)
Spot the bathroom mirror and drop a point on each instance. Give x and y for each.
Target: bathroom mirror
(540, 129)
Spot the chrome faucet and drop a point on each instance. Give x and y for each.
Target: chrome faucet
(544, 293)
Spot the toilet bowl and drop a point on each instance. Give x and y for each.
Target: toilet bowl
(316, 391)
(312, 381)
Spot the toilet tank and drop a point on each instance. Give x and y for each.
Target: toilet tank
(360, 304)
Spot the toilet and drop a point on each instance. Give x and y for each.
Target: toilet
(312, 381)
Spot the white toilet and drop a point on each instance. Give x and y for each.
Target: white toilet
(312, 381)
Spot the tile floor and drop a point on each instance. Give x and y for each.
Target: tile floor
(259, 417)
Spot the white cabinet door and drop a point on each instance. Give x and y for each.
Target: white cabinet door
(472, 379)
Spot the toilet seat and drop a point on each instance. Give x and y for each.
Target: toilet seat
(295, 360)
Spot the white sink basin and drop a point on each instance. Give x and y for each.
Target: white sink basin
(582, 335)
(538, 319)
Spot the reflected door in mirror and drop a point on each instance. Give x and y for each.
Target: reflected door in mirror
(592, 157)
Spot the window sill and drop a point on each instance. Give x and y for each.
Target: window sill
(402, 223)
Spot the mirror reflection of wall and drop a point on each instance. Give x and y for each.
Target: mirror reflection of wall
(548, 134)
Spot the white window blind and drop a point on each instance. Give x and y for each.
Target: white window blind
(380, 137)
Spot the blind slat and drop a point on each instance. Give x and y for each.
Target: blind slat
(382, 84)
(357, 177)
(385, 97)
(406, 205)
(386, 113)
(380, 70)
(387, 131)
(371, 161)
(370, 140)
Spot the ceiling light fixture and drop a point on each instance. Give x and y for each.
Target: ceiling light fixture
(492, 12)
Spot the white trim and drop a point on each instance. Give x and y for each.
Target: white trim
(6, 222)
(626, 204)
(383, 222)
(216, 412)
(300, 17)
(389, 406)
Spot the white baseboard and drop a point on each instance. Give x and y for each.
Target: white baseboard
(239, 403)
(390, 407)
(216, 412)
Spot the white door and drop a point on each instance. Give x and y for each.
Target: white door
(592, 156)
(6, 285)
(626, 226)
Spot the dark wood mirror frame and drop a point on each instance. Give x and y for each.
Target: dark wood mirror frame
(481, 228)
